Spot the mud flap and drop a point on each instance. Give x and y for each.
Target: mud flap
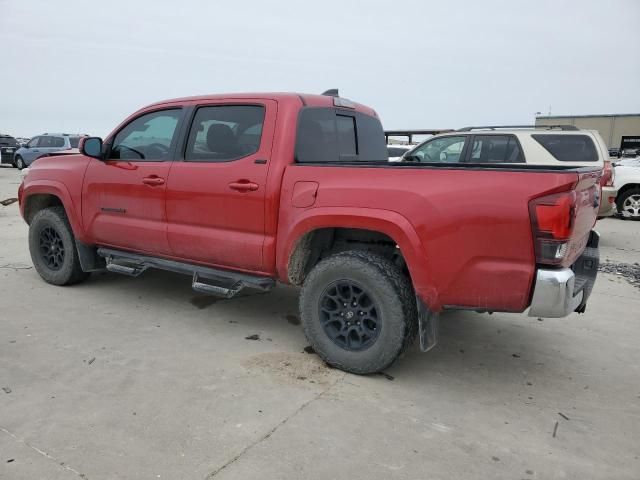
(428, 326)
(90, 261)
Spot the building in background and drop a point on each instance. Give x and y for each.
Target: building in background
(618, 131)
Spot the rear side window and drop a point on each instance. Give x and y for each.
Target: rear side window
(568, 148)
(495, 149)
(225, 132)
(57, 142)
(332, 135)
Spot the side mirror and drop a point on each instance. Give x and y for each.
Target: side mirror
(91, 147)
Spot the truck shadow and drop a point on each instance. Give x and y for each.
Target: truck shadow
(500, 346)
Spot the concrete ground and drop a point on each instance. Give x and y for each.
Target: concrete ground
(121, 378)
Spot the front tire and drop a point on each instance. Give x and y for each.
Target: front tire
(628, 204)
(53, 248)
(359, 311)
(19, 163)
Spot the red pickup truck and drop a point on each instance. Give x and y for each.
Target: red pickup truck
(241, 191)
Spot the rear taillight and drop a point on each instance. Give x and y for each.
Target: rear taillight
(552, 221)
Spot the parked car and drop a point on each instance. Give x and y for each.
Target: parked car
(627, 182)
(22, 141)
(629, 153)
(42, 145)
(221, 188)
(396, 151)
(507, 145)
(8, 147)
(614, 152)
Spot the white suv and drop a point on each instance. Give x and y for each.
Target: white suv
(556, 145)
(627, 181)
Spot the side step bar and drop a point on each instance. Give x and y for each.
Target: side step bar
(212, 281)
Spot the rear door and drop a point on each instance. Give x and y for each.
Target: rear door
(216, 193)
(124, 195)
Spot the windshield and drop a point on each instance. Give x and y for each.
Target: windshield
(74, 141)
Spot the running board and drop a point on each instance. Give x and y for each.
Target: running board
(212, 281)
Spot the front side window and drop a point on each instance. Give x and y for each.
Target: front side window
(44, 142)
(440, 150)
(495, 149)
(225, 132)
(396, 151)
(147, 138)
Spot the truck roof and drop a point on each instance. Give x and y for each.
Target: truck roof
(306, 99)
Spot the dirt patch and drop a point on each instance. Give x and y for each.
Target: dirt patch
(298, 368)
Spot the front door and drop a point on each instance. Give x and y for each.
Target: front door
(124, 195)
(216, 194)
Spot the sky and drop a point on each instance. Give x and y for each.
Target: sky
(80, 66)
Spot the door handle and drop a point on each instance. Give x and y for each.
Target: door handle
(153, 181)
(244, 186)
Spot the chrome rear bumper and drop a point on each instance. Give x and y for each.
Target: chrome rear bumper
(557, 293)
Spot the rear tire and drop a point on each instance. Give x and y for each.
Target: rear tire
(53, 248)
(19, 163)
(628, 204)
(359, 311)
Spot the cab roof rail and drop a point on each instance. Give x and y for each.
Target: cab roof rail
(497, 127)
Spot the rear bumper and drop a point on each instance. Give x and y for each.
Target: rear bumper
(557, 293)
(608, 202)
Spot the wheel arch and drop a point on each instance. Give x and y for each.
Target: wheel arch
(40, 195)
(627, 187)
(324, 231)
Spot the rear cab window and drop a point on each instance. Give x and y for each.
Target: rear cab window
(568, 148)
(330, 135)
